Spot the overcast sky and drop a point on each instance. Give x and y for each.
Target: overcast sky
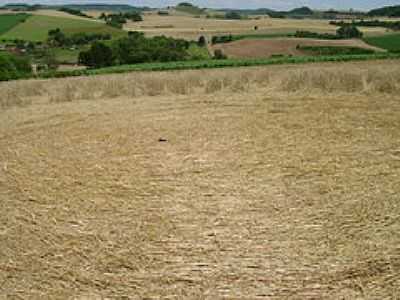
(274, 4)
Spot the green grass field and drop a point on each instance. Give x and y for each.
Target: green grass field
(390, 42)
(36, 28)
(8, 21)
(67, 56)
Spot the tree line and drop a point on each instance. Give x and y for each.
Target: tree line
(57, 38)
(135, 48)
(346, 31)
(74, 12)
(370, 23)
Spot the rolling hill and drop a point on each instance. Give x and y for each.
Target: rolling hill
(37, 27)
(189, 8)
(387, 11)
(9, 21)
(100, 7)
(301, 11)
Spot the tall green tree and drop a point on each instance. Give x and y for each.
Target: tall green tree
(98, 56)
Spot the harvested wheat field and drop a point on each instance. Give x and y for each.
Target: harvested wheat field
(189, 27)
(253, 48)
(253, 183)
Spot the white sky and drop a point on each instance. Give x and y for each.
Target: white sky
(273, 4)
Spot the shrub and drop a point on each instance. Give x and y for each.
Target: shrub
(115, 24)
(14, 67)
(218, 54)
(57, 38)
(202, 41)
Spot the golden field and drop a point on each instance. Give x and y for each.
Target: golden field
(189, 27)
(180, 25)
(279, 182)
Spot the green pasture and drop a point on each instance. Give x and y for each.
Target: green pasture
(390, 42)
(9, 21)
(36, 28)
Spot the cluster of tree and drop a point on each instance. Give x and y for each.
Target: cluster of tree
(346, 31)
(370, 23)
(14, 67)
(118, 20)
(57, 38)
(74, 12)
(135, 48)
(387, 11)
(349, 31)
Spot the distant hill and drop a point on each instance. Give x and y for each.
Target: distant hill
(258, 11)
(100, 7)
(301, 11)
(387, 11)
(107, 7)
(305, 11)
(189, 8)
(20, 7)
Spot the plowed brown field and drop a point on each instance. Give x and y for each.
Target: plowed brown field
(252, 48)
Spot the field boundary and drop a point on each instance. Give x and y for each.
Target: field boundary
(210, 64)
(214, 64)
